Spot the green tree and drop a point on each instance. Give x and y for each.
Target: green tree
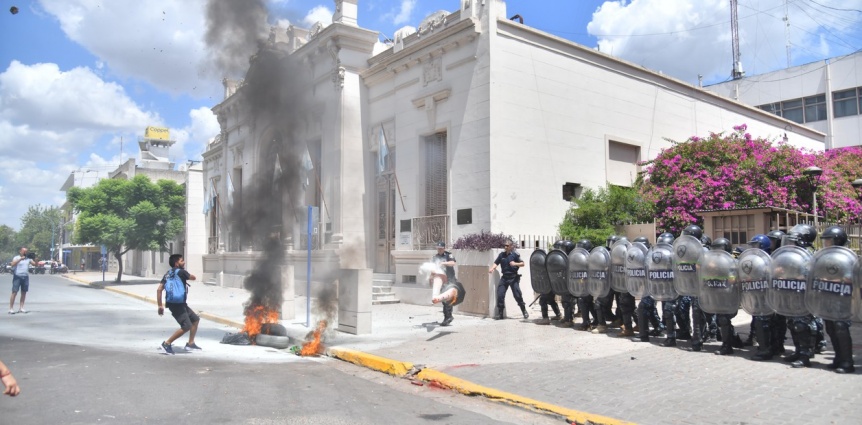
(595, 213)
(128, 214)
(7, 243)
(36, 227)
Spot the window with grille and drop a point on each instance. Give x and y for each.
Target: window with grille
(435, 175)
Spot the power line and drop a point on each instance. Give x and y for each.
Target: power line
(836, 8)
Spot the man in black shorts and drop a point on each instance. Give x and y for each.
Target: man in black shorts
(184, 315)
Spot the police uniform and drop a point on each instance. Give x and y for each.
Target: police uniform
(509, 278)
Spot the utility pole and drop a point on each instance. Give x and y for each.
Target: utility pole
(787, 33)
(737, 72)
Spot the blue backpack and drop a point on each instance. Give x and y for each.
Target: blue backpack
(175, 289)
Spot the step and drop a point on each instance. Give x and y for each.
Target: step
(384, 299)
(382, 290)
(382, 279)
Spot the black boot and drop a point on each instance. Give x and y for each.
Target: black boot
(501, 314)
(524, 310)
(670, 325)
(557, 315)
(727, 337)
(806, 349)
(764, 344)
(447, 314)
(843, 348)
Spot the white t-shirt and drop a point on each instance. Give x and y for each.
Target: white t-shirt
(23, 266)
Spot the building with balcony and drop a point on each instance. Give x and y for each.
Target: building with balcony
(472, 122)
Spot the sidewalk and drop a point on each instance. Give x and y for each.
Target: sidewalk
(562, 371)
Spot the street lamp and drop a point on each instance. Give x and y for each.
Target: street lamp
(813, 173)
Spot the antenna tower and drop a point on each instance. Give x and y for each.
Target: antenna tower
(734, 30)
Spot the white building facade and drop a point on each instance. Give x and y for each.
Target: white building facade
(825, 96)
(490, 125)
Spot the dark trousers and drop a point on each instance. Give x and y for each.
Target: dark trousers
(506, 282)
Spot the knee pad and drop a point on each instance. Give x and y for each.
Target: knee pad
(800, 326)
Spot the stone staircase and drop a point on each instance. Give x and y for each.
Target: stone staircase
(381, 289)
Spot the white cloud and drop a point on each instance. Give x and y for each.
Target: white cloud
(403, 14)
(157, 41)
(192, 140)
(320, 14)
(48, 117)
(684, 38)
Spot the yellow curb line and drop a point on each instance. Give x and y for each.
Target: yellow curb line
(152, 300)
(469, 388)
(382, 364)
(400, 369)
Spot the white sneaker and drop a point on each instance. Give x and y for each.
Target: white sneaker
(11, 311)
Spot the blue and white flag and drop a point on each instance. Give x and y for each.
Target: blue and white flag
(382, 150)
(229, 190)
(206, 201)
(307, 166)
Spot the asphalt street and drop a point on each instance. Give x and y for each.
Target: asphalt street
(84, 355)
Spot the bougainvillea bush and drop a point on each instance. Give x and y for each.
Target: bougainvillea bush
(738, 171)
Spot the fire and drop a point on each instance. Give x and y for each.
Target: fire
(256, 317)
(311, 348)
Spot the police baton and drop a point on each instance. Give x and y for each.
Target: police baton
(534, 301)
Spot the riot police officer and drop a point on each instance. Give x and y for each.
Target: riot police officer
(646, 312)
(839, 330)
(729, 337)
(778, 323)
(549, 299)
(586, 306)
(803, 328)
(761, 325)
(568, 300)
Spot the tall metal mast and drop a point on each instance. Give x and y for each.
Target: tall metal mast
(737, 72)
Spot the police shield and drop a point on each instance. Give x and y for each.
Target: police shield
(686, 252)
(557, 264)
(659, 268)
(719, 287)
(538, 272)
(579, 272)
(830, 288)
(857, 293)
(618, 265)
(636, 282)
(599, 263)
(790, 271)
(754, 268)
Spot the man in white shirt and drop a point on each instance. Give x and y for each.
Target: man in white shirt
(20, 279)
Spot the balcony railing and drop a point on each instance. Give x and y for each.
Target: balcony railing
(427, 231)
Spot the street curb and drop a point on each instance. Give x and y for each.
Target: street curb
(380, 364)
(401, 369)
(152, 300)
(468, 388)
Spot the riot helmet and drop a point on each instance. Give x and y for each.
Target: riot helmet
(802, 235)
(585, 244)
(775, 238)
(611, 240)
(558, 244)
(568, 246)
(693, 230)
(722, 244)
(762, 242)
(706, 241)
(666, 238)
(834, 236)
(643, 239)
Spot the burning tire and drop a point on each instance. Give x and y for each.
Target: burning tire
(274, 341)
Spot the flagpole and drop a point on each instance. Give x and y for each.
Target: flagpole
(381, 159)
(320, 192)
(397, 185)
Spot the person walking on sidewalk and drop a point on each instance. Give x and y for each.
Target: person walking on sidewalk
(509, 262)
(175, 284)
(446, 261)
(20, 278)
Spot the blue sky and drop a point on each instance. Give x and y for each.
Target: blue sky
(77, 77)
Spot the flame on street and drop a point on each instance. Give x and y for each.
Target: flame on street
(312, 347)
(256, 317)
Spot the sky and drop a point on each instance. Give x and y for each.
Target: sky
(80, 80)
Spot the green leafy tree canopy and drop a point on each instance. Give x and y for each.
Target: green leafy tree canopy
(37, 225)
(128, 214)
(594, 214)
